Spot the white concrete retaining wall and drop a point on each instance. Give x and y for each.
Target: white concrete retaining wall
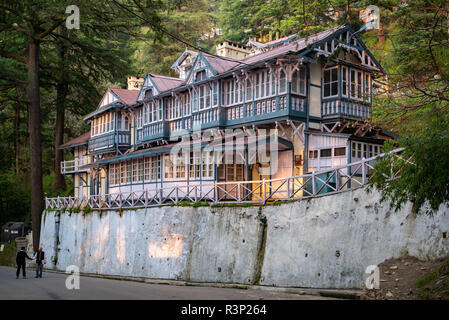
(326, 242)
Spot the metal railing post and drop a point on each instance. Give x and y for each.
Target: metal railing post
(337, 180)
(363, 171)
(238, 191)
(313, 184)
(264, 191)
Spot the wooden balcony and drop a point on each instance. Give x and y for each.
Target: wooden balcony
(109, 142)
(152, 131)
(208, 118)
(73, 166)
(265, 109)
(348, 109)
(275, 107)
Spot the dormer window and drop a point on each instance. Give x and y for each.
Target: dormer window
(148, 93)
(200, 75)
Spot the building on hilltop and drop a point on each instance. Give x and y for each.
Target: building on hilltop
(314, 94)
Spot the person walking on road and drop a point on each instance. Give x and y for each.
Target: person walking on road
(20, 262)
(40, 260)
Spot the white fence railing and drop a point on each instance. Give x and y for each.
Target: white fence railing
(347, 177)
(70, 166)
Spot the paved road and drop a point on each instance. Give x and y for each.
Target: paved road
(52, 286)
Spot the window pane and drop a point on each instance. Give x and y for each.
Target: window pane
(334, 74)
(327, 90)
(327, 76)
(339, 151)
(334, 88)
(325, 153)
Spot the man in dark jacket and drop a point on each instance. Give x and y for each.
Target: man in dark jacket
(40, 256)
(20, 261)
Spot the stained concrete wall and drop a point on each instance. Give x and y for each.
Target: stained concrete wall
(325, 242)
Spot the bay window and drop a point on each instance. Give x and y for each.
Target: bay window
(330, 82)
(344, 81)
(257, 85)
(367, 86)
(299, 81)
(282, 82)
(356, 84)
(215, 93)
(201, 97)
(103, 124)
(249, 90)
(273, 83)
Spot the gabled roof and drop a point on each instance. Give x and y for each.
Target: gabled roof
(112, 98)
(78, 141)
(164, 83)
(220, 65)
(184, 55)
(127, 96)
(294, 46)
(287, 45)
(159, 84)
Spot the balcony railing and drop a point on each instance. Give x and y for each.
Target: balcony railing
(267, 108)
(345, 108)
(72, 166)
(330, 181)
(207, 118)
(152, 131)
(108, 142)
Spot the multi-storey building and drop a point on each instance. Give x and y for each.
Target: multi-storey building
(312, 93)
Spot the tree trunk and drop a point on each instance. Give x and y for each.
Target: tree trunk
(61, 94)
(16, 136)
(59, 182)
(381, 34)
(35, 139)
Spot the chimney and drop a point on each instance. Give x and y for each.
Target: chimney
(134, 83)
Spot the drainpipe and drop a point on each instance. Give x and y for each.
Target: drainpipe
(56, 241)
(260, 248)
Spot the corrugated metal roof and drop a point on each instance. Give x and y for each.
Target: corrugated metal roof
(127, 96)
(82, 139)
(294, 46)
(219, 64)
(164, 83)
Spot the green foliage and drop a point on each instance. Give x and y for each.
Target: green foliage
(416, 102)
(87, 209)
(242, 20)
(189, 20)
(49, 191)
(423, 175)
(8, 256)
(184, 204)
(14, 199)
(435, 285)
(79, 64)
(197, 204)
